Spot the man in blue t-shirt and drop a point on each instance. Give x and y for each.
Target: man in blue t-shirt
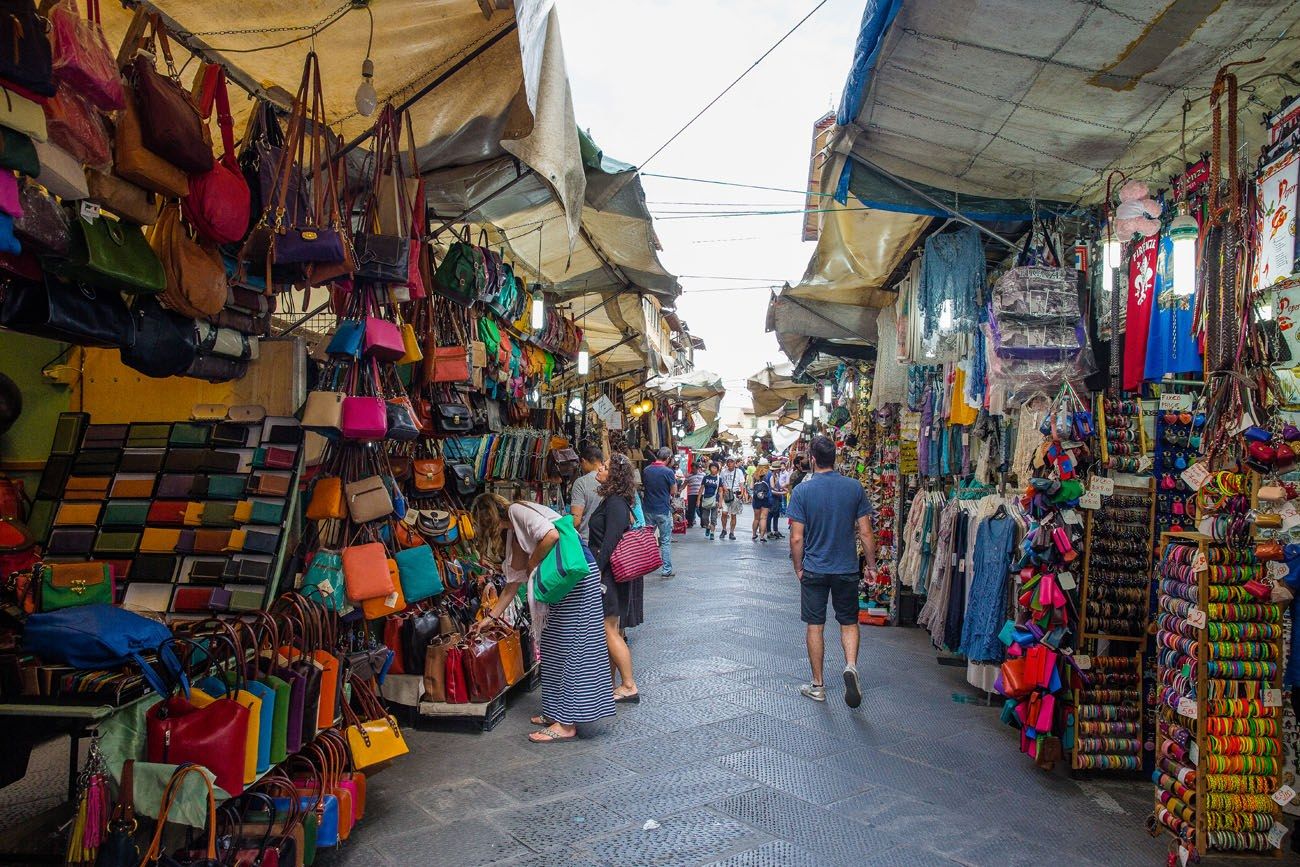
(826, 510)
(657, 500)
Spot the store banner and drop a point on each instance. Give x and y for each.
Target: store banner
(1276, 226)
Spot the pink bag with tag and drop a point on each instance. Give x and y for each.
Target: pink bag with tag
(82, 57)
(383, 340)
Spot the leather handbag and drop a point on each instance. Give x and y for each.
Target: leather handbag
(43, 226)
(66, 585)
(27, 59)
(365, 572)
(171, 124)
(137, 163)
(417, 570)
(380, 607)
(218, 203)
(22, 115)
(429, 474)
(163, 343)
(636, 555)
(512, 655)
(112, 255)
(61, 172)
(449, 364)
(435, 667)
(73, 313)
(382, 242)
(373, 734)
(457, 682)
(326, 499)
(454, 418)
(348, 339)
(383, 339)
(323, 411)
(1016, 678)
(401, 420)
(77, 128)
(208, 856)
(411, 345)
(466, 484)
(195, 274)
(484, 675)
(121, 197)
(368, 499)
(364, 418)
(81, 56)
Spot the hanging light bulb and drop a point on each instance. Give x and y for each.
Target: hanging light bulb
(827, 393)
(681, 415)
(1183, 231)
(539, 312)
(1110, 253)
(367, 99)
(535, 396)
(584, 359)
(807, 415)
(647, 405)
(817, 409)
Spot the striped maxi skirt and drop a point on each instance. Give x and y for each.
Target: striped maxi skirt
(576, 683)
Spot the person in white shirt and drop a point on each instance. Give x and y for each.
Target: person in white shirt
(693, 482)
(734, 494)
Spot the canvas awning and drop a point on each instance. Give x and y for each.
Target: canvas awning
(702, 389)
(700, 438)
(773, 387)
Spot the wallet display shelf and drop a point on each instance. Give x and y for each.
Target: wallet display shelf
(1108, 728)
(1095, 538)
(1249, 790)
(239, 580)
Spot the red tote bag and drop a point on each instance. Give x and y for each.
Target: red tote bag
(636, 555)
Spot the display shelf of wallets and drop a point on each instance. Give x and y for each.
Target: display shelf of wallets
(1219, 716)
(1108, 714)
(194, 517)
(1116, 584)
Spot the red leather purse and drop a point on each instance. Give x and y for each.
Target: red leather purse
(457, 687)
(219, 202)
(483, 669)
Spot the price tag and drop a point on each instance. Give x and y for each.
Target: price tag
(965, 440)
(603, 407)
(1199, 563)
(1145, 463)
(390, 600)
(1273, 698)
(1175, 402)
(89, 210)
(325, 586)
(1090, 500)
(1196, 476)
(1182, 855)
(1070, 516)
(1083, 660)
(1066, 580)
(1102, 485)
(1290, 516)
(615, 421)
(1196, 617)
(1187, 707)
(1284, 796)
(1276, 570)
(1276, 834)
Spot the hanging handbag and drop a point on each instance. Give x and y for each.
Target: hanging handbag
(323, 411)
(81, 56)
(466, 484)
(511, 652)
(429, 474)
(196, 276)
(171, 126)
(136, 163)
(383, 339)
(162, 343)
(364, 415)
(380, 607)
(323, 581)
(368, 499)
(218, 203)
(326, 499)
(73, 313)
(27, 60)
(121, 197)
(484, 675)
(43, 227)
(417, 570)
(365, 572)
(22, 115)
(61, 173)
(460, 272)
(113, 255)
(77, 128)
(636, 555)
(373, 734)
(435, 667)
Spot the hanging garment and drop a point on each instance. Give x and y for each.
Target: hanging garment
(951, 280)
(1171, 345)
(890, 382)
(988, 588)
(959, 411)
(1141, 292)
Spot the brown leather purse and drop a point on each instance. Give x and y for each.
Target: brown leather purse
(173, 128)
(435, 666)
(138, 164)
(121, 197)
(483, 668)
(430, 474)
(196, 276)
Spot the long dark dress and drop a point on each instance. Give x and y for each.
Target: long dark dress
(609, 522)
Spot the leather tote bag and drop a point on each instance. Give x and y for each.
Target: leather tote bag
(163, 342)
(170, 121)
(382, 255)
(71, 312)
(196, 276)
(139, 165)
(121, 197)
(218, 204)
(109, 254)
(483, 669)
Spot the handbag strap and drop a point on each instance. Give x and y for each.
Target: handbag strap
(154, 853)
(216, 92)
(124, 811)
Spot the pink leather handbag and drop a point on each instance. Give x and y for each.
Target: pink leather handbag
(383, 340)
(365, 418)
(636, 555)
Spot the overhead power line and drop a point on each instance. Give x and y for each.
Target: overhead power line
(728, 88)
(735, 184)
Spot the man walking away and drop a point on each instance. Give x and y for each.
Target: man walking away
(779, 481)
(584, 496)
(709, 501)
(693, 482)
(733, 490)
(824, 512)
(660, 488)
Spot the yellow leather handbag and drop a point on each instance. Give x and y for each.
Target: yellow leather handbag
(375, 739)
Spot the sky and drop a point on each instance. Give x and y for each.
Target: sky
(639, 69)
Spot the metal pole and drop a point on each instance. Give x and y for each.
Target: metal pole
(304, 319)
(447, 224)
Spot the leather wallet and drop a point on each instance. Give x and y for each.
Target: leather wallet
(219, 514)
(247, 569)
(55, 477)
(68, 432)
(191, 600)
(266, 513)
(116, 542)
(143, 596)
(185, 544)
(274, 458)
(184, 460)
(230, 434)
(167, 513)
(148, 435)
(177, 485)
(125, 514)
(71, 540)
(203, 571)
(245, 598)
(142, 461)
(266, 484)
(235, 541)
(86, 487)
(190, 434)
(215, 461)
(194, 513)
(75, 514)
(282, 431)
(104, 436)
(40, 518)
(257, 541)
(159, 540)
(128, 487)
(210, 541)
(155, 568)
(225, 487)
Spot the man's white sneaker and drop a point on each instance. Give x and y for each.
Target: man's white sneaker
(813, 691)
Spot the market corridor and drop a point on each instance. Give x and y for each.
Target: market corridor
(738, 769)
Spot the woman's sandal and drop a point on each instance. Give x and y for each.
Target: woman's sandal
(549, 736)
(542, 720)
(628, 698)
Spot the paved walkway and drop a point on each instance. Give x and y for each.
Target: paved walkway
(738, 769)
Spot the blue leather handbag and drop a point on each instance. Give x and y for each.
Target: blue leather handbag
(417, 570)
(267, 722)
(103, 636)
(327, 816)
(348, 339)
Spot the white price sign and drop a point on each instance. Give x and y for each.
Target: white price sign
(1175, 402)
(1199, 563)
(1066, 580)
(1284, 796)
(1070, 516)
(1083, 660)
(1145, 463)
(1102, 485)
(1196, 617)
(1277, 570)
(1276, 834)
(1273, 698)
(603, 406)
(1196, 476)
(1187, 707)
(89, 210)
(1090, 500)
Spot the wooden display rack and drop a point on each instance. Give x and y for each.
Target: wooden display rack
(1203, 544)
(1084, 634)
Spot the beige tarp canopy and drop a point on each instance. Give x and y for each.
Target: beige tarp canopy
(773, 387)
(703, 389)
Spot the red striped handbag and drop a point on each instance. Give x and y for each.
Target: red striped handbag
(636, 555)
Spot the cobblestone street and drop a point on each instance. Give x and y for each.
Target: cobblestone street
(738, 769)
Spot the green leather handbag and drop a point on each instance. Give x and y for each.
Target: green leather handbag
(109, 254)
(460, 274)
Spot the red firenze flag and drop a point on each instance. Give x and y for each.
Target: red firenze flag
(1141, 288)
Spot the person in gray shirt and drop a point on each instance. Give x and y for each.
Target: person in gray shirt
(584, 496)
